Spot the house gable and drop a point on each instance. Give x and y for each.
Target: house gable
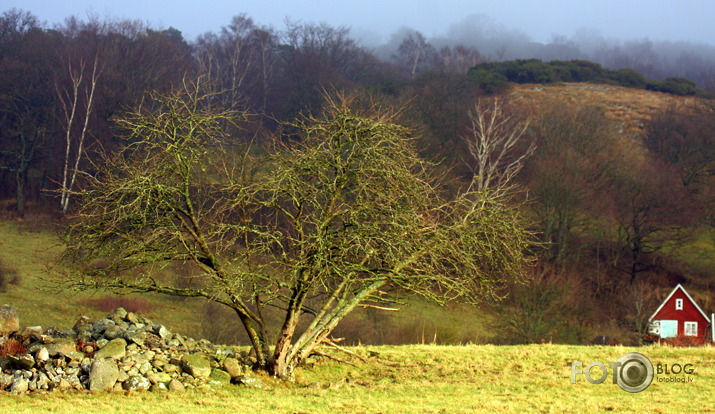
(667, 309)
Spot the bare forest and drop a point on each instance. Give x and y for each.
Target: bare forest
(596, 213)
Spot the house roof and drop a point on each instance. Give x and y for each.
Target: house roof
(689, 298)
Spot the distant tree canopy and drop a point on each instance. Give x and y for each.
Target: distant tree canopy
(494, 77)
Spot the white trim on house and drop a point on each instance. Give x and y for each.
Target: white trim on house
(690, 328)
(686, 295)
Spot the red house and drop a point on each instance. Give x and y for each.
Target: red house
(680, 316)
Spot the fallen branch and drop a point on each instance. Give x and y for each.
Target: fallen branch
(364, 305)
(331, 342)
(333, 358)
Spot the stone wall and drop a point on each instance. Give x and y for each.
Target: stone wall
(120, 352)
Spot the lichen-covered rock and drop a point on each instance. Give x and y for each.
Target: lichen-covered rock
(103, 374)
(61, 346)
(251, 381)
(220, 376)
(119, 313)
(136, 383)
(232, 367)
(197, 365)
(116, 349)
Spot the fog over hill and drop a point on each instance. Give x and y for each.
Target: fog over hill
(658, 38)
(656, 59)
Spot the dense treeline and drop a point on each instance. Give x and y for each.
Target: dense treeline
(613, 210)
(496, 76)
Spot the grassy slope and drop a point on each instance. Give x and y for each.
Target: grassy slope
(39, 303)
(428, 379)
(628, 107)
(38, 300)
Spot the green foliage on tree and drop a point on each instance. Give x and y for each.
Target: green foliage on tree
(494, 77)
(340, 214)
(675, 86)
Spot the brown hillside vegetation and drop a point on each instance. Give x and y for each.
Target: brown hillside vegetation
(628, 106)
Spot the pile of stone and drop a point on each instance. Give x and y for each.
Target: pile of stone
(121, 352)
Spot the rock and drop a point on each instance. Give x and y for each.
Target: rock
(163, 332)
(119, 313)
(158, 377)
(22, 361)
(136, 383)
(132, 317)
(169, 368)
(113, 332)
(197, 365)
(20, 385)
(123, 375)
(159, 387)
(251, 381)
(136, 337)
(31, 331)
(103, 374)
(82, 321)
(122, 351)
(9, 320)
(144, 368)
(220, 376)
(233, 367)
(116, 349)
(42, 354)
(145, 356)
(5, 381)
(176, 385)
(64, 384)
(101, 326)
(62, 346)
(75, 356)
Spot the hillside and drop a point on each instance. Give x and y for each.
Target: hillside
(629, 107)
(41, 300)
(588, 285)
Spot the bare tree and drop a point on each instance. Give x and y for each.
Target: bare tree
(459, 59)
(77, 104)
(495, 142)
(346, 215)
(654, 212)
(415, 54)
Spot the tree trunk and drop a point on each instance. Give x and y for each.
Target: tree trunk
(20, 195)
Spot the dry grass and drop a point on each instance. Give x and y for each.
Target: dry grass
(424, 379)
(629, 107)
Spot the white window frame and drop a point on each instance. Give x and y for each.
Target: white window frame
(679, 304)
(690, 329)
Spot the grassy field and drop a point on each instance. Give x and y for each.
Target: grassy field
(395, 379)
(425, 379)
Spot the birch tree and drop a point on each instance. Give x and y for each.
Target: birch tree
(495, 141)
(77, 103)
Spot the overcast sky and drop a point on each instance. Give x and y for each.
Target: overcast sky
(689, 20)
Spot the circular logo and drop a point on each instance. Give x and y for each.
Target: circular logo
(635, 372)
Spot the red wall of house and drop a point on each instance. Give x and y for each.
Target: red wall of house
(689, 314)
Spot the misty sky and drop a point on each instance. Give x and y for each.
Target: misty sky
(374, 20)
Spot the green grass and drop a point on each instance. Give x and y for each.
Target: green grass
(40, 304)
(425, 379)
